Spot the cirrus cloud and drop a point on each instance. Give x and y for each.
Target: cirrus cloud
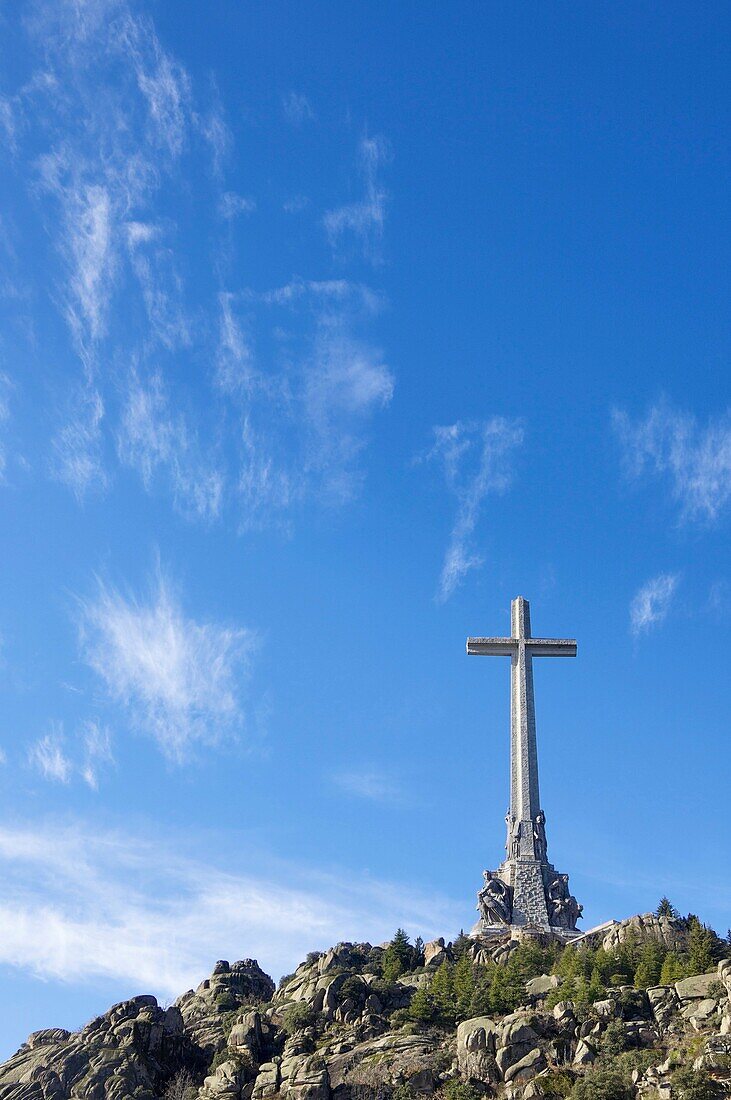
(179, 679)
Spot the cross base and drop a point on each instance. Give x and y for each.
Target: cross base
(483, 931)
(527, 897)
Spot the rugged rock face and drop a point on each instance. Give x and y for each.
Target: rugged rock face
(129, 1052)
(337, 1030)
(206, 1012)
(646, 926)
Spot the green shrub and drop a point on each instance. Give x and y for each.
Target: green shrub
(297, 1017)
(694, 1084)
(557, 1083)
(460, 1090)
(614, 1039)
(603, 1083)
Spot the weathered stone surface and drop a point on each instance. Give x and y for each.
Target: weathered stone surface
(476, 1044)
(664, 1003)
(435, 953)
(543, 984)
(529, 1066)
(127, 1053)
(267, 1081)
(646, 926)
(227, 1083)
(585, 1053)
(696, 988)
(390, 1060)
(230, 987)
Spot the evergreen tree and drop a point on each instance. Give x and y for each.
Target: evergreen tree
(701, 948)
(673, 968)
(464, 986)
(422, 1007)
(649, 967)
(460, 945)
(666, 908)
(398, 956)
(480, 1003)
(441, 990)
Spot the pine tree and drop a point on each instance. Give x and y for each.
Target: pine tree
(666, 908)
(442, 992)
(673, 968)
(398, 956)
(649, 967)
(464, 986)
(701, 944)
(422, 1007)
(460, 945)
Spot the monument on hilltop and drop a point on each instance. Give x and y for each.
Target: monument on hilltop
(526, 893)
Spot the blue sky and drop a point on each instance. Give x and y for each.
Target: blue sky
(327, 330)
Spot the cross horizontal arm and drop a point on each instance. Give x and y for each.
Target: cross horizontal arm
(551, 647)
(492, 646)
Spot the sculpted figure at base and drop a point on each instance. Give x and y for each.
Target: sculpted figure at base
(515, 832)
(540, 845)
(564, 910)
(494, 900)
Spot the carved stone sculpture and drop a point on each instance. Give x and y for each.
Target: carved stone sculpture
(564, 910)
(494, 900)
(515, 834)
(540, 844)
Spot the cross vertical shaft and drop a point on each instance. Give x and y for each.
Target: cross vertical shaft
(525, 799)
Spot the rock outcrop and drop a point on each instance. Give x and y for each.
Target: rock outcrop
(337, 1030)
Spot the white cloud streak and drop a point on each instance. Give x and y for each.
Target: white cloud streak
(364, 219)
(47, 756)
(370, 784)
(81, 905)
(180, 680)
(297, 108)
(78, 447)
(97, 741)
(87, 756)
(305, 418)
(231, 205)
(651, 603)
(476, 459)
(695, 460)
(153, 440)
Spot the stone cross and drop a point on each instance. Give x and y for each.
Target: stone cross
(522, 648)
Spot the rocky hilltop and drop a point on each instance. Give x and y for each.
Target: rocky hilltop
(520, 1020)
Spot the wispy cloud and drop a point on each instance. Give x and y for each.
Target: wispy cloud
(48, 757)
(80, 904)
(5, 391)
(87, 242)
(297, 108)
(153, 440)
(97, 742)
(695, 460)
(163, 81)
(651, 603)
(307, 408)
(180, 680)
(369, 783)
(365, 218)
(161, 286)
(58, 760)
(476, 458)
(78, 446)
(231, 205)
